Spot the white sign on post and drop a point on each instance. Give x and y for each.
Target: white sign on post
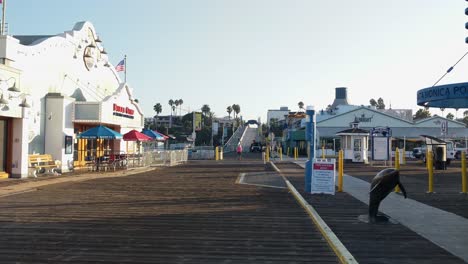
(380, 148)
(323, 176)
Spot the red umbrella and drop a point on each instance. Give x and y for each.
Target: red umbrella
(134, 135)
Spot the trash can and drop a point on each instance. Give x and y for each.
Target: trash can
(440, 158)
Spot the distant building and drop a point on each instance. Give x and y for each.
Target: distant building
(340, 114)
(279, 114)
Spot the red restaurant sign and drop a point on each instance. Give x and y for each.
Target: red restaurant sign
(123, 111)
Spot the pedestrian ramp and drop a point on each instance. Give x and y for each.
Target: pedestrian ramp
(262, 179)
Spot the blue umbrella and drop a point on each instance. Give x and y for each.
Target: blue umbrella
(152, 134)
(100, 132)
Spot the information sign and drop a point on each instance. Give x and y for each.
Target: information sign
(323, 176)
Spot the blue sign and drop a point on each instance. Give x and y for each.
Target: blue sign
(445, 96)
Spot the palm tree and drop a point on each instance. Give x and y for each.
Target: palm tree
(236, 109)
(176, 103)
(180, 106)
(229, 110)
(157, 108)
(171, 103)
(205, 110)
(301, 105)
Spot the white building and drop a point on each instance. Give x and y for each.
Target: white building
(279, 114)
(69, 86)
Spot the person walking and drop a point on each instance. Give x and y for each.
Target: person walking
(239, 151)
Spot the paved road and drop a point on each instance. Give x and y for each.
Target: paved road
(193, 213)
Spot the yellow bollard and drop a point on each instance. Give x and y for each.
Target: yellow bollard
(404, 157)
(463, 165)
(287, 152)
(267, 154)
(323, 152)
(430, 169)
(216, 153)
(295, 153)
(397, 166)
(221, 154)
(340, 171)
(281, 153)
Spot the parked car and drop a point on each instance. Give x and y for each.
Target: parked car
(419, 152)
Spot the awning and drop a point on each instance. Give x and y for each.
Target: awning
(153, 134)
(100, 132)
(134, 135)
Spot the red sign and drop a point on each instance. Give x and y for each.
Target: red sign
(123, 110)
(321, 166)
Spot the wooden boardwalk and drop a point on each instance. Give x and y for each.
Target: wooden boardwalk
(188, 214)
(383, 243)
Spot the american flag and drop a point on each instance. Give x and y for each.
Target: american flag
(120, 67)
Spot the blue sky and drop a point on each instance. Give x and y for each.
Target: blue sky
(263, 54)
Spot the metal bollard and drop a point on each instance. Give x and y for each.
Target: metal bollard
(340, 171)
(216, 153)
(430, 169)
(397, 166)
(463, 167)
(281, 153)
(267, 154)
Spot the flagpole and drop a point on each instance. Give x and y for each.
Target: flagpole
(125, 68)
(3, 17)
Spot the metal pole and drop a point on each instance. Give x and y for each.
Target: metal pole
(194, 134)
(463, 167)
(310, 137)
(397, 165)
(430, 169)
(340, 171)
(125, 68)
(3, 18)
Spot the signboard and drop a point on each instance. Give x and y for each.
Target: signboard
(380, 148)
(214, 128)
(453, 95)
(380, 138)
(323, 176)
(444, 127)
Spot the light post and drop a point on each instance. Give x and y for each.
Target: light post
(310, 137)
(334, 147)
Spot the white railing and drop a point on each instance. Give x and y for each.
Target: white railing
(164, 158)
(231, 144)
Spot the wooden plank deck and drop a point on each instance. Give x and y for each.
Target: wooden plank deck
(187, 214)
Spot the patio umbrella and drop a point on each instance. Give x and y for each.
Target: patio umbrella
(165, 137)
(154, 135)
(134, 135)
(100, 132)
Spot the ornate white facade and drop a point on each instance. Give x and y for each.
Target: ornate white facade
(60, 77)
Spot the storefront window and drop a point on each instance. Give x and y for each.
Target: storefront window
(357, 144)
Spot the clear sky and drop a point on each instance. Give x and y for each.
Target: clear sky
(263, 54)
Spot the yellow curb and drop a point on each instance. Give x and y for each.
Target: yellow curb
(340, 250)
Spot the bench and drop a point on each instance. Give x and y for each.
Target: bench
(37, 162)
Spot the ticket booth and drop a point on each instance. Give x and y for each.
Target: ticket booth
(355, 144)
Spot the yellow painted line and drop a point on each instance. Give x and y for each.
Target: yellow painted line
(340, 250)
